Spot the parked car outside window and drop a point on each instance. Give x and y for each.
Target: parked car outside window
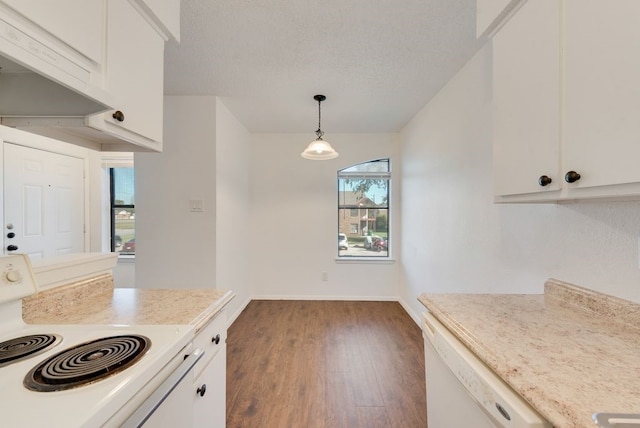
(343, 244)
(129, 246)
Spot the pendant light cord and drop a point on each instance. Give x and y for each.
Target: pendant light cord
(319, 133)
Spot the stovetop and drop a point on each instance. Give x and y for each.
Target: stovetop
(84, 405)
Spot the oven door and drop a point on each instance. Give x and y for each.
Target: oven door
(171, 404)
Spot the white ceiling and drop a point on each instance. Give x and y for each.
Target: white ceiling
(377, 61)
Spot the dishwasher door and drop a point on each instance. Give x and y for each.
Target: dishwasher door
(463, 392)
(449, 404)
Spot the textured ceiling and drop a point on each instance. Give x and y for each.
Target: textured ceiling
(377, 61)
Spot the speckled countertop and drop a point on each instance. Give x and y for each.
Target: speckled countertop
(95, 301)
(570, 353)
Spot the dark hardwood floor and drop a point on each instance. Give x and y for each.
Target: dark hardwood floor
(325, 364)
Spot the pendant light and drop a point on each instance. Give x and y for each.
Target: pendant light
(319, 149)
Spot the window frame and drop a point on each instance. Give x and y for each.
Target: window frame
(112, 210)
(388, 176)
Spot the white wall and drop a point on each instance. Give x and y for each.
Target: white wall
(233, 208)
(206, 157)
(454, 239)
(174, 246)
(295, 224)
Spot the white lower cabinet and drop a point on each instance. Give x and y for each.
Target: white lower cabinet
(209, 408)
(209, 391)
(199, 400)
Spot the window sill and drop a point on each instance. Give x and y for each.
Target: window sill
(365, 260)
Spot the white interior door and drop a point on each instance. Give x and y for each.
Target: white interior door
(43, 202)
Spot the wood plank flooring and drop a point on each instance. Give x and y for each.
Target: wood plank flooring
(325, 364)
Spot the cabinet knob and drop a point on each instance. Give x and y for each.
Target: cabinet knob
(544, 180)
(12, 248)
(202, 390)
(118, 115)
(11, 235)
(571, 177)
(215, 339)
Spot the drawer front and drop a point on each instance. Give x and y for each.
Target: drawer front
(211, 340)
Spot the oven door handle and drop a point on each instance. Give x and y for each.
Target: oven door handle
(144, 412)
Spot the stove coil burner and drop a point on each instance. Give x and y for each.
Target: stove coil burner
(87, 363)
(20, 348)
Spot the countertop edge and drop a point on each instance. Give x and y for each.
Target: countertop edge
(212, 311)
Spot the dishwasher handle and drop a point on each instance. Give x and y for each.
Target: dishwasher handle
(617, 420)
(144, 412)
(429, 326)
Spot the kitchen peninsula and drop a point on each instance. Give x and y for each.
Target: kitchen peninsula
(95, 304)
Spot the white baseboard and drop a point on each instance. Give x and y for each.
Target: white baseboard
(235, 315)
(307, 297)
(408, 310)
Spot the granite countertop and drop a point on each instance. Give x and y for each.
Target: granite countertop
(95, 301)
(570, 352)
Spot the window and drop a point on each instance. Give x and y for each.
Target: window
(123, 210)
(363, 208)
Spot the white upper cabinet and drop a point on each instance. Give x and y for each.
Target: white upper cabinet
(135, 78)
(166, 14)
(492, 14)
(602, 91)
(526, 94)
(567, 101)
(77, 23)
(50, 51)
(106, 60)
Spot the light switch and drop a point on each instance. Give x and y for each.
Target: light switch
(197, 205)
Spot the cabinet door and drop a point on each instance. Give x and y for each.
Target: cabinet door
(78, 23)
(602, 91)
(135, 73)
(491, 13)
(526, 91)
(210, 408)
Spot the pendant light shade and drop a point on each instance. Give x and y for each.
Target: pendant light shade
(319, 149)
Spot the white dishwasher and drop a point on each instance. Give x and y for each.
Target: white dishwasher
(463, 392)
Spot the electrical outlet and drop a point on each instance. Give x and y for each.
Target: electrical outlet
(324, 276)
